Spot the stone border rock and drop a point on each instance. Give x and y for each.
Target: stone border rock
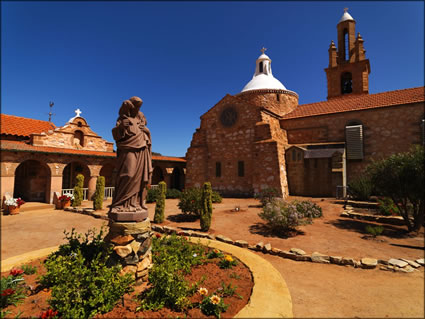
(392, 220)
(270, 296)
(296, 254)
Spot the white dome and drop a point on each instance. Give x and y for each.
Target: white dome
(346, 16)
(263, 77)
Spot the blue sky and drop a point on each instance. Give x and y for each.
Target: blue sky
(181, 58)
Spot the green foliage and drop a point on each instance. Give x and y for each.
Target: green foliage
(78, 190)
(213, 306)
(28, 269)
(12, 291)
(401, 178)
(227, 262)
(160, 203)
(228, 290)
(387, 207)
(191, 200)
(234, 275)
(173, 257)
(215, 253)
(267, 195)
(206, 211)
(152, 195)
(173, 193)
(99, 193)
(360, 188)
(81, 282)
(374, 230)
(282, 216)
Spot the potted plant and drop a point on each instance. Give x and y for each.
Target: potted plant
(65, 201)
(13, 204)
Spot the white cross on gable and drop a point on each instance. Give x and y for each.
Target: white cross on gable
(78, 112)
(263, 50)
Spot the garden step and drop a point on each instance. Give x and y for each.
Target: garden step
(30, 206)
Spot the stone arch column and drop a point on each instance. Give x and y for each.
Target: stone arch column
(94, 174)
(7, 180)
(56, 173)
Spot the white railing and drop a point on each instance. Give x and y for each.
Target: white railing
(109, 192)
(154, 186)
(70, 192)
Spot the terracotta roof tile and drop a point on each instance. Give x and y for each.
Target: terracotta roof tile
(24, 147)
(359, 102)
(21, 126)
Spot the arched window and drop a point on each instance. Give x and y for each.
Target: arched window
(79, 138)
(346, 46)
(261, 67)
(346, 83)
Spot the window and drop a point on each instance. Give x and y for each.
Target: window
(218, 169)
(241, 169)
(423, 131)
(346, 83)
(277, 97)
(79, 138)
(294, 154)
(261, 67)
(346, 46)
(354, 141)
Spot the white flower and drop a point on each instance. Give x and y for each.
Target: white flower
(11, 202)
(195, 255)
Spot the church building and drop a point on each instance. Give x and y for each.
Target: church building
(262, 138)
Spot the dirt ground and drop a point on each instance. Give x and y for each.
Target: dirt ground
(317, 290)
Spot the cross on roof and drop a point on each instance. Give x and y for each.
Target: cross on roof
(345, 9)
(263, 50)
(78, 112)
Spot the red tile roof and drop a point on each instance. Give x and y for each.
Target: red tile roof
(21, 126)
(24, 147)
(359, 102)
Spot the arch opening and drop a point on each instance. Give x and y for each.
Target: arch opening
(32, 182)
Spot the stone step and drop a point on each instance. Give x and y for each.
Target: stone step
(31, 206)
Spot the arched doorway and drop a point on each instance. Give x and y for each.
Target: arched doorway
(71, 171)
(176, 182)
(157, 175)
(32, 182)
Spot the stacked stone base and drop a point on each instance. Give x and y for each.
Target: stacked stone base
(132, 245)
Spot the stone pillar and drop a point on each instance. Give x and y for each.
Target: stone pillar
(132, 245)
(92, 186)
(7, 179)
(167, 176)
(56, 170)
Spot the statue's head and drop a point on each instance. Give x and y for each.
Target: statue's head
(137, 102)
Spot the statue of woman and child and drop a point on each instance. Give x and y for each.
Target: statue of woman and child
(134, 163)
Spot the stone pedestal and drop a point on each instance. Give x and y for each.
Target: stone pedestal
(132, 245)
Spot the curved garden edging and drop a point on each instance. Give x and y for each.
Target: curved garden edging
(270, 296)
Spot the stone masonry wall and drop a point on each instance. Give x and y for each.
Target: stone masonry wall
(387, 130)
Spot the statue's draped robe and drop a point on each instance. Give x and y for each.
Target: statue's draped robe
(134, 163)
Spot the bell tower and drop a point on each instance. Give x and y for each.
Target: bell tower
(348, 70)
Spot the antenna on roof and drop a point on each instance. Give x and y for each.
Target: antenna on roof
(50, 113)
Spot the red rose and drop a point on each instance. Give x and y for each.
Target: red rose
(7, 292)
(158, 235)
(16, 272)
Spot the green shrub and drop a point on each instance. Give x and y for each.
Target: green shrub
(28, 269)
(152, 195)
(227, 262)
(78, 190)
(206, 211)
(81, 282)
(308, 209)
(173, 257)
(387, 207)
(280, 215)
(267, 195)
(173, 193)
(12, 290)
(401, 178)
(374, 230)
(213, 306)
(99, 194)
(360, 188)
(191, 200)
(160, 204)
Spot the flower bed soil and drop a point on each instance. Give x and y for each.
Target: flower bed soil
(239, 276)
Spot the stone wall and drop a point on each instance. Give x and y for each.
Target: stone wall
(387, 130)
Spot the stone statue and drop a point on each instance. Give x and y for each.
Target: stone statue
(134, 163)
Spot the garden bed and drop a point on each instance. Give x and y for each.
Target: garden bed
(233, 286)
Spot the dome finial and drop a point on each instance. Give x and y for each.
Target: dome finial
(345, 10)
(263, 50)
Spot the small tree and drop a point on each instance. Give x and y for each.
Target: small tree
(401, 178)
(160, 203)
(206, 210)
(78, 190)
(99, 194)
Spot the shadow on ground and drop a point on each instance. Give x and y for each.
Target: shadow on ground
(264, 230)
(182, 218)
(359, 226)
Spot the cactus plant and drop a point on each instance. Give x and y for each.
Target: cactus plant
(206, 210)
(99, 193)
(160, 203)
(78, 190)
